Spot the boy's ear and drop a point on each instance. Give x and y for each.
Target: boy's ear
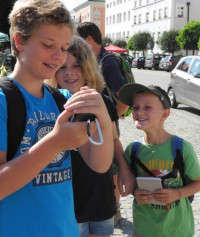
(18, 41)
(166, 114)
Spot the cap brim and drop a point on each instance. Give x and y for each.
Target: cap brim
(127, 92)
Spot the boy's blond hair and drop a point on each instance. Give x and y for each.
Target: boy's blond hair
(27, 15)
(85, 57)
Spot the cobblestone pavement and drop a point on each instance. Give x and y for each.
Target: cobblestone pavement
(175, 124)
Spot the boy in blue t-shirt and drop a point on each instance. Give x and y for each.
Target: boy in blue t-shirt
(36, 185)
(173, 215)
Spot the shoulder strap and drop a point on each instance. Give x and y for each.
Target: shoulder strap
(17, 109)
(177, 149)
(58, 97)
(16, 115)
(134, 159)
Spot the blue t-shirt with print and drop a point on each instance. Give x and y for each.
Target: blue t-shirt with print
(45, 206)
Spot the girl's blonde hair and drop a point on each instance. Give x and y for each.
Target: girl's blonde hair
(27, 15)
(88, 63)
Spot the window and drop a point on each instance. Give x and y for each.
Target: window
(166, 12)
(129, 15)
(135, 4)
(154, 15)
(119, 18)
(159, 13)
(110, 21)
(184, 66)
(140, 3)
(159, 34)
(135, 18)
(124, 16)
(139, 18)
(195, 68)
(180, 10)
(106, 20)
(147, 16)
(113, 19)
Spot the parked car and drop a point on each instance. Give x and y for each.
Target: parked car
(138, 62)
(184, 87)
(168, 63)
(128, 57)
(160, 64)
(153, 60)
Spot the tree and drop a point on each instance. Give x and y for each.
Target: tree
(142, 41)
(168, 42)
(106, 41)
(199, 43)
(120, 43)
(188, 36)
(129, 45)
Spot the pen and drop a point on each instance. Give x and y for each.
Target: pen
(167, 206)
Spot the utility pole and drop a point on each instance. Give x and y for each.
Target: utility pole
(188, 18)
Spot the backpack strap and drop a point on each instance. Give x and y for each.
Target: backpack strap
(177, 149)
(16, 110)
(58, 97)
(134, 159)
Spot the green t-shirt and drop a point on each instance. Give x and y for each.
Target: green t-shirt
(154, 220)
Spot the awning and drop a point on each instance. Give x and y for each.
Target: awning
(113, 48)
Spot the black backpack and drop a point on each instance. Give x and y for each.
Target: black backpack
(17, 112)
(177, 150)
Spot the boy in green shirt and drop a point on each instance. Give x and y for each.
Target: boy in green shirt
(151, 107)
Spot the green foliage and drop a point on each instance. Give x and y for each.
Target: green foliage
(188, 37)
(142, 41)
(120, 43)
(168, 42)
(106, 41)
(129, 45)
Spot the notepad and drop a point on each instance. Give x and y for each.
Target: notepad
(150, 184)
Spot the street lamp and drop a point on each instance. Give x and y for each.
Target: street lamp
(188, 11)
(188, 17)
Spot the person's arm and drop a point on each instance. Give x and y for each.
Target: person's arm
(98, 158)
(121, 108)
(170, 195)
(126, 180)
(21, 170)
(64, 136)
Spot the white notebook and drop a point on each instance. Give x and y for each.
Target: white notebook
(150, 184)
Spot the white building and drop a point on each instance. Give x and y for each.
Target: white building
(153, 16)
(118, 23)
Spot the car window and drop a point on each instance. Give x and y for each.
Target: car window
(149, 56)
(157, 56)
(195, 68)
(184, 66)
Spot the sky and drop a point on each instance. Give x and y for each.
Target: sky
(70, 4)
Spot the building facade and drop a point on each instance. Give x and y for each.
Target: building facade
(118, 19)
(153, 16)
(90, 11)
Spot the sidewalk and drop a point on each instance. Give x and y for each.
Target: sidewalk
(175, 124)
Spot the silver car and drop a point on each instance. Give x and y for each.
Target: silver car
(184, 87)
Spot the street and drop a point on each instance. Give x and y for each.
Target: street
(183, 122)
